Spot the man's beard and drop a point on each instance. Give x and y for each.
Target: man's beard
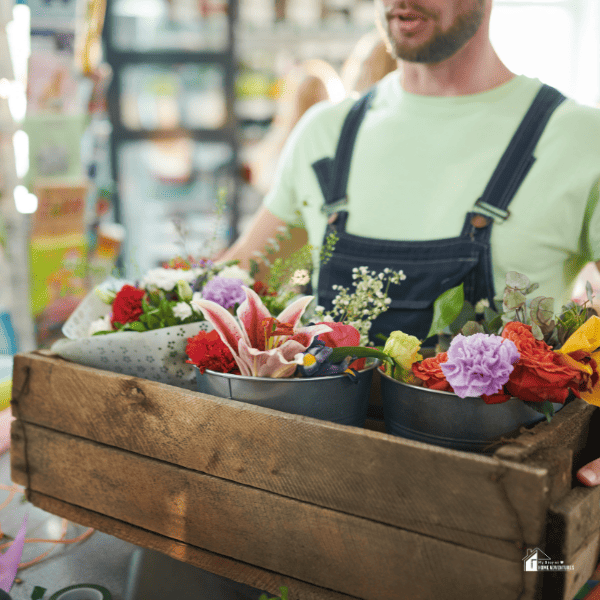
(442, 44)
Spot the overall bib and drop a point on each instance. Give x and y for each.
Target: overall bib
(434, 266)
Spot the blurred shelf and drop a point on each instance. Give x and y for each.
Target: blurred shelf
(165, 57)
(200, 135)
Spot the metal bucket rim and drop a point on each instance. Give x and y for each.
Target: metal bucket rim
(444, 393)
(376, 363)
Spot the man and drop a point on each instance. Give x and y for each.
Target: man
(453, 169)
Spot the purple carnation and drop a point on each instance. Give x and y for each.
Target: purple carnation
(225, 291)
(479, 364)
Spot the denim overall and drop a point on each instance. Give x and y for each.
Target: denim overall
(431, 267)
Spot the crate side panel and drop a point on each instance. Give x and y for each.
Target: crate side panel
(326, 548)
(407, 484)
(209, 561)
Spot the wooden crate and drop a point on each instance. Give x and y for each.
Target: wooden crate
(329, 511)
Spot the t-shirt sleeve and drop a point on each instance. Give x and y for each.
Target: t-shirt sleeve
(593, 218)
(282, 199)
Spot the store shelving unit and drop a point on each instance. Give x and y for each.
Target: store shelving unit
(174, 142)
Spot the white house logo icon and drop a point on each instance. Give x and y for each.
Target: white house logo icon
(534, 559)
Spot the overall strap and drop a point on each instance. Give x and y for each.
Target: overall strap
(333, 173)
(518, 157)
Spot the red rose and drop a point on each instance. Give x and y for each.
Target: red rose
(540, 374)
(342, 335)
(261, 289)
(127, 305)
(207, 351)
(430, 372)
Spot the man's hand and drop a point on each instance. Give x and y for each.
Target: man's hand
(590, 474)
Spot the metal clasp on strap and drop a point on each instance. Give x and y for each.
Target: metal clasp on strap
(497, 214)
(333, 207)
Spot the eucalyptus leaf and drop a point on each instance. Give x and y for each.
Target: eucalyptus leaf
(446, 308)
(536, 331)
(517, 280)
(514, 299)
(589, 292)
(532, 288)
(471, 328)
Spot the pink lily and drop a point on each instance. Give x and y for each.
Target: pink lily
(263, 346)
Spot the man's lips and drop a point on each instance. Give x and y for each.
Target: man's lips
(406, 22)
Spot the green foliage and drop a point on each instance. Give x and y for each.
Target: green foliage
(446, 309)
(546, 408)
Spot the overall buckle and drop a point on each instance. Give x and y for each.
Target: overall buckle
(334, 207)
(495, 213)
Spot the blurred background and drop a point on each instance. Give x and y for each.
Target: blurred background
(135, 131)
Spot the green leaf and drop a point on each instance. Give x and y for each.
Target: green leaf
(513, 299)
(446, 309)
(548, 409)
(153, 322)
(466, 314)
(339, 354)
(589, 292)
(545, 408)
(471, 328)
(536, 331)
(494, 324)
(532, 288)
(517, 280)
(137, 326)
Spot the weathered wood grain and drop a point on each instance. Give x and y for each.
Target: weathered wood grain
(337, 551)
(584, 561)
(568, 429)
(209, 561)
(573, 520)
(410, 485)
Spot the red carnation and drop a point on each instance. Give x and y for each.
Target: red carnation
(207, 351)
(127, 305)
(430, 372)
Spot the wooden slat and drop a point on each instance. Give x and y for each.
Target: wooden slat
(406, 484)
(584, 561)
(337, 551)
(573, 520)
(568, 429)
(209, 561)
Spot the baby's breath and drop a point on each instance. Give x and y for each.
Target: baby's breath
(362, 306)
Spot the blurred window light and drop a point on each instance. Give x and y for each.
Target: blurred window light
(5, 87)
(556, 41)
(21, 146)
(25, 202)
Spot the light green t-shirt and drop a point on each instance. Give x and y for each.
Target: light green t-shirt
(421, 162)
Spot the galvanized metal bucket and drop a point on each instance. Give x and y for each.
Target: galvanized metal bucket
(333, 398)
(445, 419)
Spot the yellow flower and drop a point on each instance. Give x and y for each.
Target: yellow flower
(404, 349)
(586, 338)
